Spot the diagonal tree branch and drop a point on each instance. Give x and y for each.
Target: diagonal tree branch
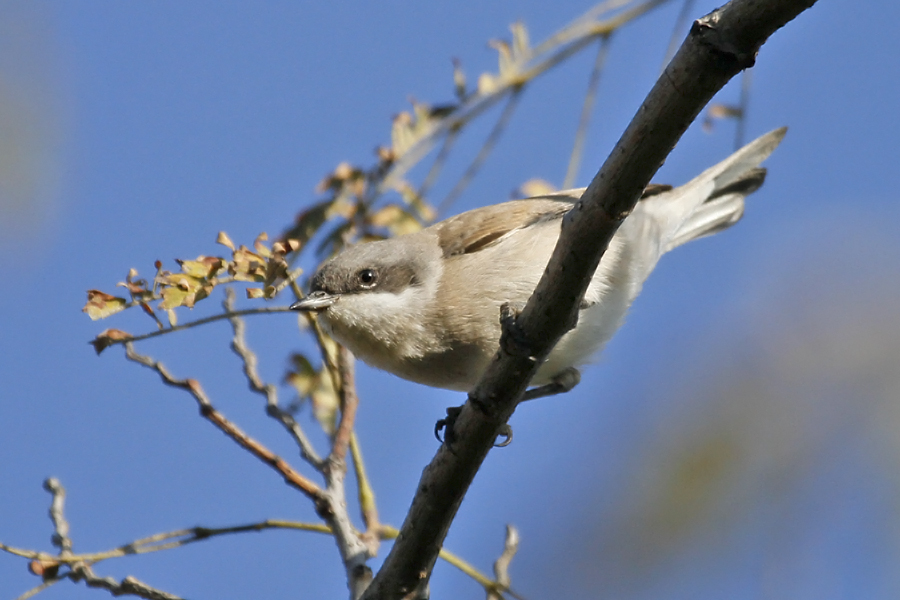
(717, 48)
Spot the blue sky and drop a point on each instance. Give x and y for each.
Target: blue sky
(737, 438)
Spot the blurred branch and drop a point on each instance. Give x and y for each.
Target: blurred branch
(675, 41)
(586, 108)
(485, 151)
(520, 70)
(439, 161)
(366, 494)
(718, 47)
(746, 81)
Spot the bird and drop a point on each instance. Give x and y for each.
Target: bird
(425, 306)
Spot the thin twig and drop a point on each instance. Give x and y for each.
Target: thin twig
(128, 586)
(198, 322)
(439, 161)
(267, 390)
(570, 40)
(367, 504)
(746, 80)
(321, 336)
(349, 402)
(586, 108)
(354, 549)
(165, 541)
(39, 588)
(501, 566)
(60, 537)
(291, 476)
(485, 151)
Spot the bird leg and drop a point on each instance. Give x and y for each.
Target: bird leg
(562, 382)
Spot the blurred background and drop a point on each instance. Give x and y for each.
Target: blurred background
(738, 438)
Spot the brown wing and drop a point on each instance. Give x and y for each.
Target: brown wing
(477, 229)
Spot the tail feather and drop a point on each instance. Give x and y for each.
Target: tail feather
(714, 200)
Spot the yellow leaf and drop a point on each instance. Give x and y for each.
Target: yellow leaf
(487, 84)
(255, 293)
(101, 305)
(397, 220)
(174, 296)
(521, 47)
(535, 187)
(202, 268)
(261, 248)
(247, 265)
(325, 402)
(225, 240)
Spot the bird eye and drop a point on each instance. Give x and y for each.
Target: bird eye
(367, 278)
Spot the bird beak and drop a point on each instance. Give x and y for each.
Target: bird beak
(315, 301)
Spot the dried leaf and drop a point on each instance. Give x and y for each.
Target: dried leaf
(720, 111)
(459, 79)
(534, 187)
(521, 47)
(395, 219)
(325, 402)
(411, 196)
(402, 134)
(487, 84)
(107, 338)
(247, 266)
(308, 222)
(223, 239)
(101, 305)
(255, 293)
(174, 296)
(302, 375)
(504, 57)
(202, 268)
(261, 248)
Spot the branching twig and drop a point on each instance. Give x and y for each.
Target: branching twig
(164, 541)
(128, 586)
(60, 537)
(269, 391)
(291, 476)
(501, 566)
(190, 324)
(556, 49)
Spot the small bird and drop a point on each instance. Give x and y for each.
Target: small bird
(426, 306)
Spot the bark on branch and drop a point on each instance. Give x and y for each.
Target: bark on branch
(718, 47)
